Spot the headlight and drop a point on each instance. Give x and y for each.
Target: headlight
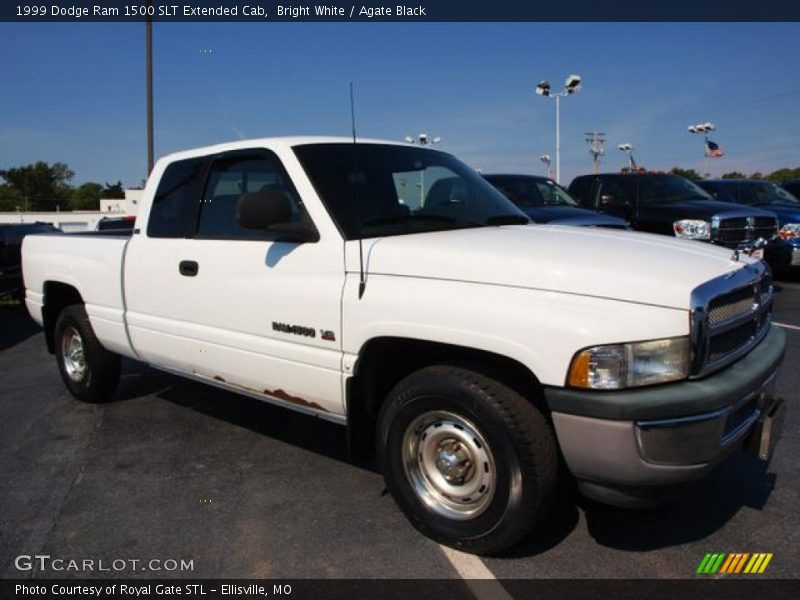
(620, 366)
(692, 229)
(790, 231)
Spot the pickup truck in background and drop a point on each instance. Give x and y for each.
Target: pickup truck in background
(393, 290)
(784, 254)
(544, 201)
(671, 205)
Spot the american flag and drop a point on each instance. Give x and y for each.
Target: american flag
(713, 149)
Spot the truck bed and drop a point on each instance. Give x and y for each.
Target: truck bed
(90, 262)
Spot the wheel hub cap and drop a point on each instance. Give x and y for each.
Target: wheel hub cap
(449, 464)
(454, 462)
(72, 352)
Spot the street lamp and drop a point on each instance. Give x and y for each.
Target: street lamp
(422, 140)
(572, 85)
(545, 158)
(628, 148)
(703, 129)
(148, 59)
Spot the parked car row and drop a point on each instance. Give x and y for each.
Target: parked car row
(784, 251)
(476, 356)
(727, 212)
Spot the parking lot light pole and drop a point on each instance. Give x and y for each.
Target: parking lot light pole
(545, 158)
(628, 149)
(422, 140)
(572, 85)
(704, 129)
(149, 89)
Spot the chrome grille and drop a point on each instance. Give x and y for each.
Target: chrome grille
(731, 307)
(732, 231)
(730, 315)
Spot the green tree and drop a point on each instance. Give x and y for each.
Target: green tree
(757, 175)
(734, 175)
(86, 197)
(781, 175)
(114, 191)
(687, 173)
(9, 199)
(39, 186)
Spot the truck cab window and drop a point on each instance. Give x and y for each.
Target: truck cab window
(230, 178)
(175, 199)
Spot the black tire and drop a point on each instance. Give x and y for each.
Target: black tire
(519, 443)
(98, 378)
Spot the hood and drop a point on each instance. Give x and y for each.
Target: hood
(571, 215)
(621, 265)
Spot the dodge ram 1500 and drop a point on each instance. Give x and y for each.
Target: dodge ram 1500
(474, 352)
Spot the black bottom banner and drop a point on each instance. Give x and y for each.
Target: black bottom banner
(418, 589)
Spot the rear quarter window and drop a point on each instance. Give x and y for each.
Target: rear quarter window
(175, 200)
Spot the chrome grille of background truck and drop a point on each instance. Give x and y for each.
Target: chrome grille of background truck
(740, 228)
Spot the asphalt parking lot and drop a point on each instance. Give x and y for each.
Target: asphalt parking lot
(174, 469)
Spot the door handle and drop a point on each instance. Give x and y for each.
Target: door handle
(188, 268)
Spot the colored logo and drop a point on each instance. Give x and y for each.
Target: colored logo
(736, 562)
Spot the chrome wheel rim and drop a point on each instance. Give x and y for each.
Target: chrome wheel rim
(72, 353)
(449, 464)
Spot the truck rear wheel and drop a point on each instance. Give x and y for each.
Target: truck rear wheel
(89, 371)
(471, 463)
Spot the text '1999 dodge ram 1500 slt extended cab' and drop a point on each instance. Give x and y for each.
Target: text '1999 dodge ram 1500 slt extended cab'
(474, 352)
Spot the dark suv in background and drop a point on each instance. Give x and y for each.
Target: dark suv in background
(769, 196)
(671, 205)
(544, 201)
(11, 235)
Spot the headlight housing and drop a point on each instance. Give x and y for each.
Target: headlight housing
(692, 229)
(620, 366)
(790, 231)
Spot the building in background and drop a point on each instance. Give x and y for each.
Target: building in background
(79, 220)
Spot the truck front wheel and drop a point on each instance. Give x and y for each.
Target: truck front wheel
(470, 462)
(89, 371)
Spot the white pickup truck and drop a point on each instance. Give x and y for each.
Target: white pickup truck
(389, 288)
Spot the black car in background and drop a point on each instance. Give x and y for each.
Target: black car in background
(671, 205)
(544, 201)
(785, 252)
(11, 235)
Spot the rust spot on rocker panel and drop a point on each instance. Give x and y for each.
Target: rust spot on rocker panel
(281, 395)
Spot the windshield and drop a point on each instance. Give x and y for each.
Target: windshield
(375, 190)
(528, 192)
(756, 192)
(661, 189)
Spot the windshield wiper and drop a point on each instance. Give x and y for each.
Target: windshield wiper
(507, 220)
(395, 219)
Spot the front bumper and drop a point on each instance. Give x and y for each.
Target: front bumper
(667, 434)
